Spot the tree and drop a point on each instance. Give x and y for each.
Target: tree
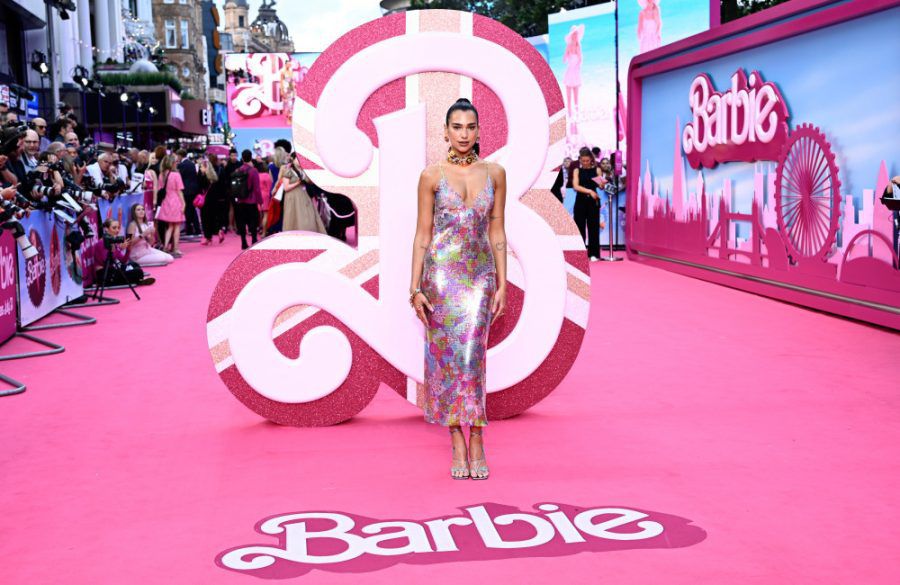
(526, 17)
(734, 9)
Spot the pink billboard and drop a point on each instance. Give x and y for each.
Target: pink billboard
(749, 176)
(7, 286)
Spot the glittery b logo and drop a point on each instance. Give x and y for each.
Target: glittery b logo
(345, 308)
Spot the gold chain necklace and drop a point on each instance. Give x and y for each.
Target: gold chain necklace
(463, 161)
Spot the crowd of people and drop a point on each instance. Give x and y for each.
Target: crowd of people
(59, 169)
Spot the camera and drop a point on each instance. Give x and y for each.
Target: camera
(9, 211)
(110, 241)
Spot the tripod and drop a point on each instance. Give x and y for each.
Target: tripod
(111, 263)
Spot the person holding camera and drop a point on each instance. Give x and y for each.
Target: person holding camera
(171, 210)
(121, 266)
(104, 176)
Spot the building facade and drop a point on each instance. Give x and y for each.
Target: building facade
(92, 31)
(264, 34)
(179, 28)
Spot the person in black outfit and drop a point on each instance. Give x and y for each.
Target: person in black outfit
(563, 180)
(211, 214)
(587, 202)
(188, 171)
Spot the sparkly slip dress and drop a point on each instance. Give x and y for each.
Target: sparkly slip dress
(459, 282)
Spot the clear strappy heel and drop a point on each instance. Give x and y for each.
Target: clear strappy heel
(478, 468)
(457, 471)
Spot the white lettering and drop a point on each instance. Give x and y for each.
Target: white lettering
(492, 539)
(414, 534)
(749, 113)
(440, 532)
(568, 531)
(7, 270)
(603, 530)
(412, 537)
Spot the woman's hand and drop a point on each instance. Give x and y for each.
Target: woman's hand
(419, 303)
(498, 304)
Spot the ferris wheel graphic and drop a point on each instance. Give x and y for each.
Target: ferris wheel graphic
(807, 195)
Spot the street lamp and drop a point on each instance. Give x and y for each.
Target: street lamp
(123, 98)
(40, 65)
(81, 77)
(97, 87)
(138, 109)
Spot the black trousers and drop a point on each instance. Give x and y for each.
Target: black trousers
(211, 215)
(587, 218)
(191, 219)
(246, 216)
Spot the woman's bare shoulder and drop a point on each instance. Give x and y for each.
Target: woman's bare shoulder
(430, 176)
(431, 172)
(498, 173)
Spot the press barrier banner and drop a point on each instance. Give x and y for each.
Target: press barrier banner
(51, 278)
(7, 286)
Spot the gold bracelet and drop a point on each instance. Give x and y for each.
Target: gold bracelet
(413, 294)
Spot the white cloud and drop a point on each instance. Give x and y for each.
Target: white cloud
(315, 24)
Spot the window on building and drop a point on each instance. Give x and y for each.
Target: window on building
(182, 1)
(168, 1)
(186, 72)
(185, 37)
(240, 22)
(171, 41)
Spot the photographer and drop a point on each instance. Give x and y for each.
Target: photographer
(104, 176)
(59, 129)
(32, 146)
(44, 183)
(40, 126)
(12, 148)
(120, 266)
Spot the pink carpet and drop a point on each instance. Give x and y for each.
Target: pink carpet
(771, 429)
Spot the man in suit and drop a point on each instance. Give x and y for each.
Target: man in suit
(188, 171)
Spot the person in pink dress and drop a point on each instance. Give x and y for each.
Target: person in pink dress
(649, 29)
(171, 210)
(572, 76)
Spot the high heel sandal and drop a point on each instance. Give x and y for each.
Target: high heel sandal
(478, 468)
(456, 471)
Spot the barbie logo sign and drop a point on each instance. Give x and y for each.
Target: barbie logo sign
(345, 543)
(7, 268)
(303, 328)
(36, 270)
(748, 122)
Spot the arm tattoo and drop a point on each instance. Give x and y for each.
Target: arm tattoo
(500, 246)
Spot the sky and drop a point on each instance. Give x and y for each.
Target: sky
(315, 24)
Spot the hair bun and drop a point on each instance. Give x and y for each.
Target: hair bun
(463, 101)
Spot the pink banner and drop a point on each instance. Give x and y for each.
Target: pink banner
(7, 286)
(90, 250)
